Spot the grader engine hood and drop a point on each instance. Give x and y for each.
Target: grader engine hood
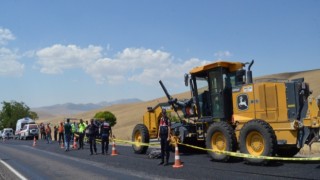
(313, 114)
(301, 105)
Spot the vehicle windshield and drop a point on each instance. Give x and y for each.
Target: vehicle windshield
(209, 88)
(22, 125)
(202, 85)
(33, 126)
(229, 80)
(202, 92)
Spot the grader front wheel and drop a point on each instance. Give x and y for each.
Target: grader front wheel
(140, 135)
(220, 137)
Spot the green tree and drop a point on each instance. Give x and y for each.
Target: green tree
(13, 111)
(33, 115)
(106, 115)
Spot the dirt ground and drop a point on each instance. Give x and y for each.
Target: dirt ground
(315, 150)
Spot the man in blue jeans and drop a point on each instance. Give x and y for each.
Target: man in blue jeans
(105, 130)
(93, 128)
(67, 133)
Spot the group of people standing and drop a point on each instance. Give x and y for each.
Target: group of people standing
(103, 130)
(45, 132)
(66, 131)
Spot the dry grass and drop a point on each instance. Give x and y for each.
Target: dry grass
(128, 115)
(315, 150)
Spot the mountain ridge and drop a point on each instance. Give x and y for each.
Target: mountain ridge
(73, 108)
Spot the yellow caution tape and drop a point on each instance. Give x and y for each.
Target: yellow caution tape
(242, 155)
(233, 154)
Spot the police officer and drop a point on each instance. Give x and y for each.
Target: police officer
(92, 127)
(105, 130)
(164, 135)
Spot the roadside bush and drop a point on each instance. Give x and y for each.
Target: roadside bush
(106, 115)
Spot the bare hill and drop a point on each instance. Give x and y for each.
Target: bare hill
(312, 77)
(128, 115)
(70, 109)
(44, 114)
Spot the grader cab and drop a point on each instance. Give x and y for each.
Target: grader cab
(230, 112)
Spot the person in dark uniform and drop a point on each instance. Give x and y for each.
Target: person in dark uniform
(55, 132)
(92, 127)
(105, 130)
(42, 131)
(67, 134)
(164, 136)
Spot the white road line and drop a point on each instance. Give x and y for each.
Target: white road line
(20, 176)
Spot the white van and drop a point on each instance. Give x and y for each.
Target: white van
(7, 133)
(21, 123)
(29, 131)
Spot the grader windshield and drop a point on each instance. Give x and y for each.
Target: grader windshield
(212, 88)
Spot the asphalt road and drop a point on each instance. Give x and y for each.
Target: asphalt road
(49, 161)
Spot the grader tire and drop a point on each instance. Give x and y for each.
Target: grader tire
(257, 138)
(287, 151)
(140, 134)
(221, 137)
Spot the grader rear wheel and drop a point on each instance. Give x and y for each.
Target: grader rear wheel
(220, 137)
(140, 134)
(257, 138)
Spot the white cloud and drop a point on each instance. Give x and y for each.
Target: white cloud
(107, 71)
(9, 66)
(171, 72)
(145, 66)
(57, 58)
(222, 54)
(5, 36)
(128, 64)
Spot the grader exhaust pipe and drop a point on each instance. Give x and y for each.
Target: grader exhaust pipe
(249, 73)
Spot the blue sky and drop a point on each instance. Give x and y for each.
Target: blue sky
(54, 52)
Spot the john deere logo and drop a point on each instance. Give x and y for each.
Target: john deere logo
(242, 101)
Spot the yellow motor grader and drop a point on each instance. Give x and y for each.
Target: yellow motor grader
(229, 112)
